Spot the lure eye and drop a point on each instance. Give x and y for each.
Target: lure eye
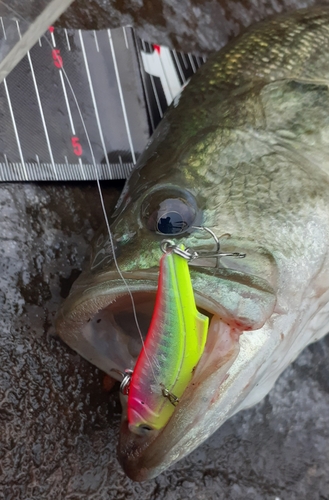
(145, 428)
(140, 430)
(169, 213)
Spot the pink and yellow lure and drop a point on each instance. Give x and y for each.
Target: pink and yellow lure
(173, 346)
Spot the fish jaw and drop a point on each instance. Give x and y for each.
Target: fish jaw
(268, 326)
(300, 316)
(203, 408)
(262, 357)
(240, 305)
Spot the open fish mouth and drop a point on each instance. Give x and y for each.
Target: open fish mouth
(98, 321)
(115, 332)
(104, 323)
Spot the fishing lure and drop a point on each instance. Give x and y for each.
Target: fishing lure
(173, 346)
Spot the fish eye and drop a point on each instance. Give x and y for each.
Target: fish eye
(168, 212)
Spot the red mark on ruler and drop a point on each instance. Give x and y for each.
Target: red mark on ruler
(157, 48)
(57, 58)
(77, 148)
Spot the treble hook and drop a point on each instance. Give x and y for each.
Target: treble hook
(190, 254)
(125, 384)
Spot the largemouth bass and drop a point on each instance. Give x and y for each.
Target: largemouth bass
(243, 151)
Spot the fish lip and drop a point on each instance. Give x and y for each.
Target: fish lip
(131, 446)
(109, 287)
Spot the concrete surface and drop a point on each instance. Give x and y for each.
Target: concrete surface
(199, 26)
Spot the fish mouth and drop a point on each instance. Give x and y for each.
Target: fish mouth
(102, 331)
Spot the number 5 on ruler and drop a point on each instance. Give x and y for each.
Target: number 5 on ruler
(77, 148)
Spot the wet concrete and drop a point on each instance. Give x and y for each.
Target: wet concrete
(59, 423)
(199, 26)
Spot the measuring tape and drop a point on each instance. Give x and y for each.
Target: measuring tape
(122, 84)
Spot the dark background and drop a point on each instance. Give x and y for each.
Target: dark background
(188, 25)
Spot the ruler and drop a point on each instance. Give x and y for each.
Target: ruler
(121, 87)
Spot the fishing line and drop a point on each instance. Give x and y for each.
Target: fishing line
(107, 222)
(100, 196)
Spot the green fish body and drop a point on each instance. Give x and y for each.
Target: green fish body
(243, 151)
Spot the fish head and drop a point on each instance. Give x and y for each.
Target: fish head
(255, 303)
(236, 169)
(238, 294)
(246, 300)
